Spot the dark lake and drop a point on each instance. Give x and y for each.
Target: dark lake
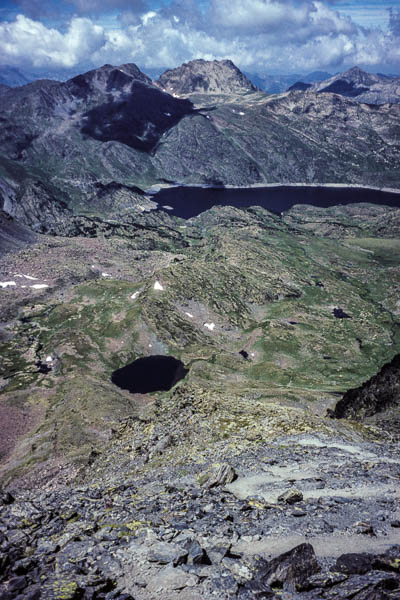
(188, 202)
(149, 374)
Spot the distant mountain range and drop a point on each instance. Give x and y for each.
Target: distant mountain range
(12, 77)
(359, 85)
(88, 143)
(276, 84)
(354, 83)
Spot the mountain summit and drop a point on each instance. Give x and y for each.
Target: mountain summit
(204, 76)
(363, 86)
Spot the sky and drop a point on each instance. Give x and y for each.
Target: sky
(260, 36)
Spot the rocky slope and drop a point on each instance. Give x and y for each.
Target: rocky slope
(380, 394)
(205, 77)
(233, 484)
(362, 86)
(179, 493)
(351, 221)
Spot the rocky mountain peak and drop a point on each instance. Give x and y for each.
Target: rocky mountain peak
(205, 76)
(357, 75)
(109, 79)
(365, 87)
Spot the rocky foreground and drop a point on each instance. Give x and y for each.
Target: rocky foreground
(239, 482)
(305, 517)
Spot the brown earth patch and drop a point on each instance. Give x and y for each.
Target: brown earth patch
(15, 423)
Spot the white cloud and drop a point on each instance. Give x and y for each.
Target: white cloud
(31, 42)
(258, 14)
(264, 35)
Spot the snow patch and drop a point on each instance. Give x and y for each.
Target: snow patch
(106, 275)
(167, 114)
(26, 277)
(210, 326)
(241, 113)
(135, 295)
(158, 286)
(189, 315)
(39, 286)
(49, 358)
(5, 284)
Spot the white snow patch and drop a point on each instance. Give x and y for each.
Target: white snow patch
(241, 113)
(158, 286)
(106, 275)
(5, 284)
(135, 295)
(150, 345)
(49, 358)
(167, 114)
(24, 286)
(189, 315)
(39, 286)
(210, 326)
(30, 277)
(252, 354)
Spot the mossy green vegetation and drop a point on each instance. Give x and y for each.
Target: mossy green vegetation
(251, 282)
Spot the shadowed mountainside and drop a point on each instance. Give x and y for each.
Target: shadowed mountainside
(113, 125)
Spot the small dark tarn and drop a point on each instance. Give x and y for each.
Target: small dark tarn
(150, 374)
(244, 354)
(340, 314)
(43, 368)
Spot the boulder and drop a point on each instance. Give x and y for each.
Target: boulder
(291, 496)
(218, 474)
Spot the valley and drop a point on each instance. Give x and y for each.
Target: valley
(175, 386)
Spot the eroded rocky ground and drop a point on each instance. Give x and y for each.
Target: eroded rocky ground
(198, 492)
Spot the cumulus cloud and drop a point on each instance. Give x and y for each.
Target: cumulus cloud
(263, 35)
(29, 42)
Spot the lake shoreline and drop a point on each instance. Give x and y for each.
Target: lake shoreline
(155, 188)
(189, 201)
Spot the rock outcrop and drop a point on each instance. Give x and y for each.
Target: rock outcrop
(362, 87)
(375, 396)
(205, 77)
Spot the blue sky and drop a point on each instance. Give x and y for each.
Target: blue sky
(265, 36)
